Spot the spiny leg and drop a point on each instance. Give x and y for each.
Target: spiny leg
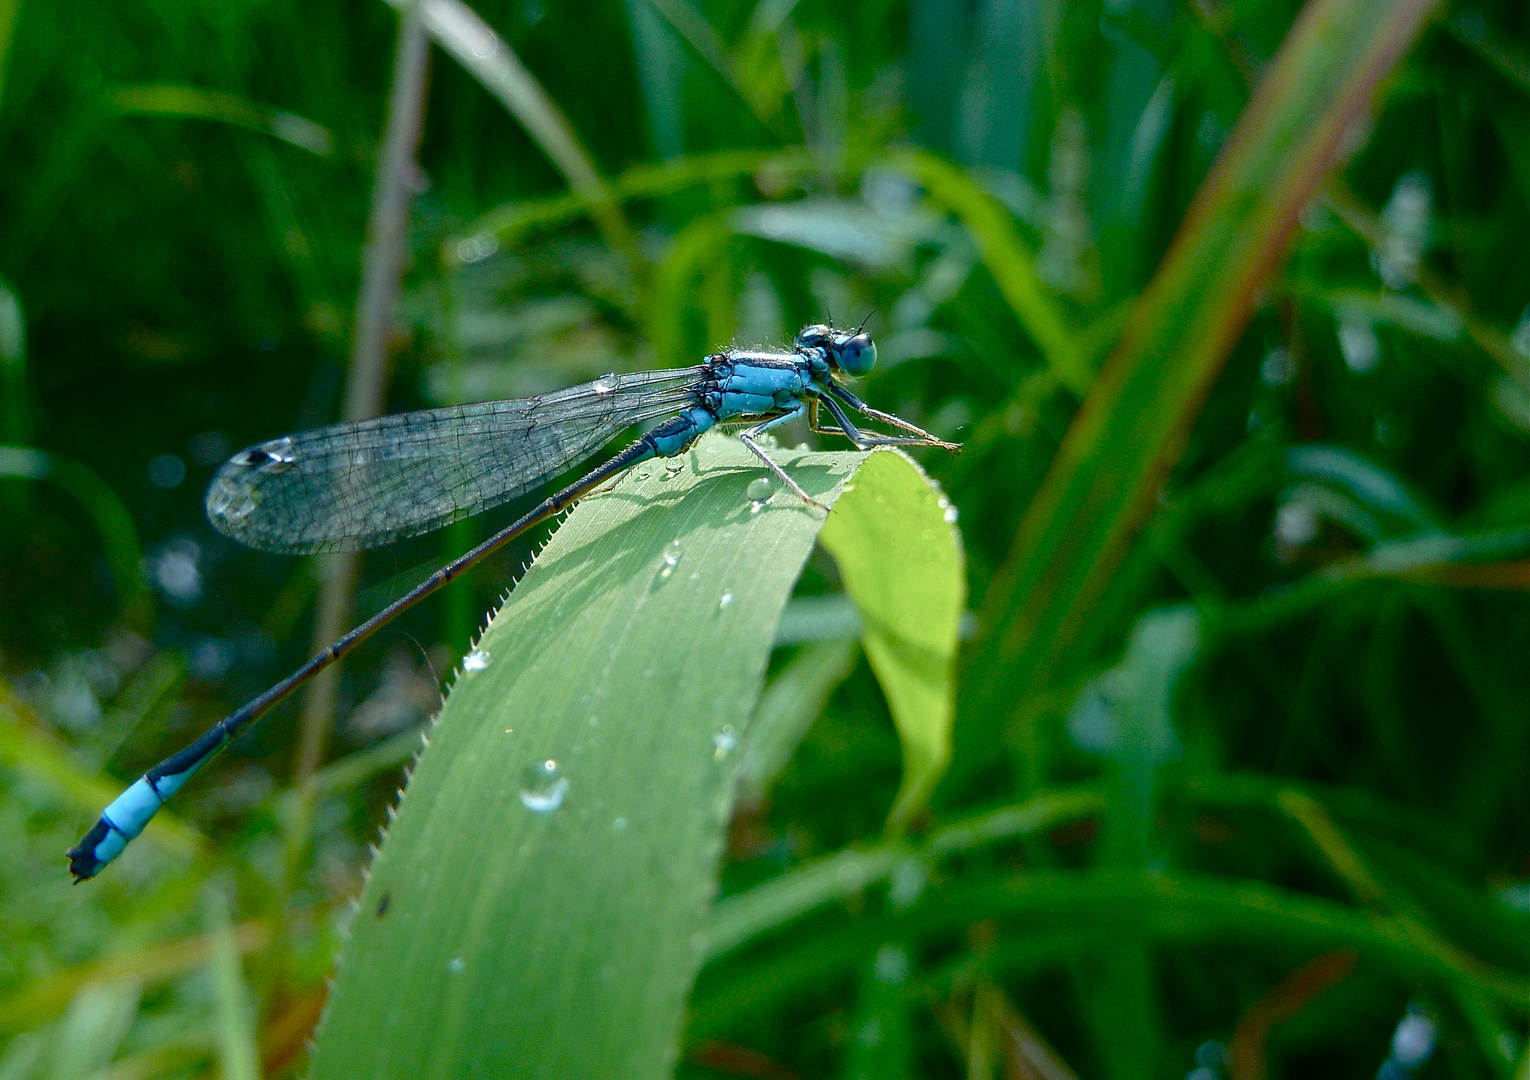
(747, 438)
(843, 425)
(925, 438)
(865, 441)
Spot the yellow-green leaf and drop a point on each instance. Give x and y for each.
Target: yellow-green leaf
(894, 537)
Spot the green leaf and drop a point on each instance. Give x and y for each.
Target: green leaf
(545, 922)
(893, 520)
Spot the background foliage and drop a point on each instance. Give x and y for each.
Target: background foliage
(1264, 815)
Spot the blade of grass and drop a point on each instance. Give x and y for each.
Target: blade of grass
(1367, 224)
(1057, 916)
(97, 1022)
(1435, 559)
(196, 103)
(695, 249)
(741, 918)
(656, 54)
(882, 1029)
(234, 1017)
(1166, 908)
(1139, 412)
(1008, 258)
(490, 60)
(506, 224)
(1472, 29)
(1138, 696)
(519, 921)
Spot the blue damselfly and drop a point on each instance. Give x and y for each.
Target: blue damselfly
(364, 484)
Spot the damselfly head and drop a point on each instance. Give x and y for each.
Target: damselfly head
(852, 352)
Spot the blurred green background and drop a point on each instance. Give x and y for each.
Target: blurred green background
(1268, 704)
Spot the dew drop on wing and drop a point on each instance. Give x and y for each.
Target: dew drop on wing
(604, 385)
(279, 454)
(727, 600)
(230, 499)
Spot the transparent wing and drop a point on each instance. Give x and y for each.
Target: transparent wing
(364, 484)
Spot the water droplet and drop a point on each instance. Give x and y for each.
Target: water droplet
(727, 600)
(642, 475)
(672, 470)
(279, 451)
(724, 742)
(759, 491)
(476, 660)
(671, 559)
(456, 965)
(604, 385)
(620, 824)
(543, 786)
(952, 513)
(230, 499)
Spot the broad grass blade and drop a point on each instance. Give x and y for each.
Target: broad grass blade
(544, 921)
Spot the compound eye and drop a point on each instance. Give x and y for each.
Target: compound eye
(856, 355)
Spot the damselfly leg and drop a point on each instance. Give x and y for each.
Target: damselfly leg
(748, 436)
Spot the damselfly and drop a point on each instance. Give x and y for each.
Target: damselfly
(364, 484)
